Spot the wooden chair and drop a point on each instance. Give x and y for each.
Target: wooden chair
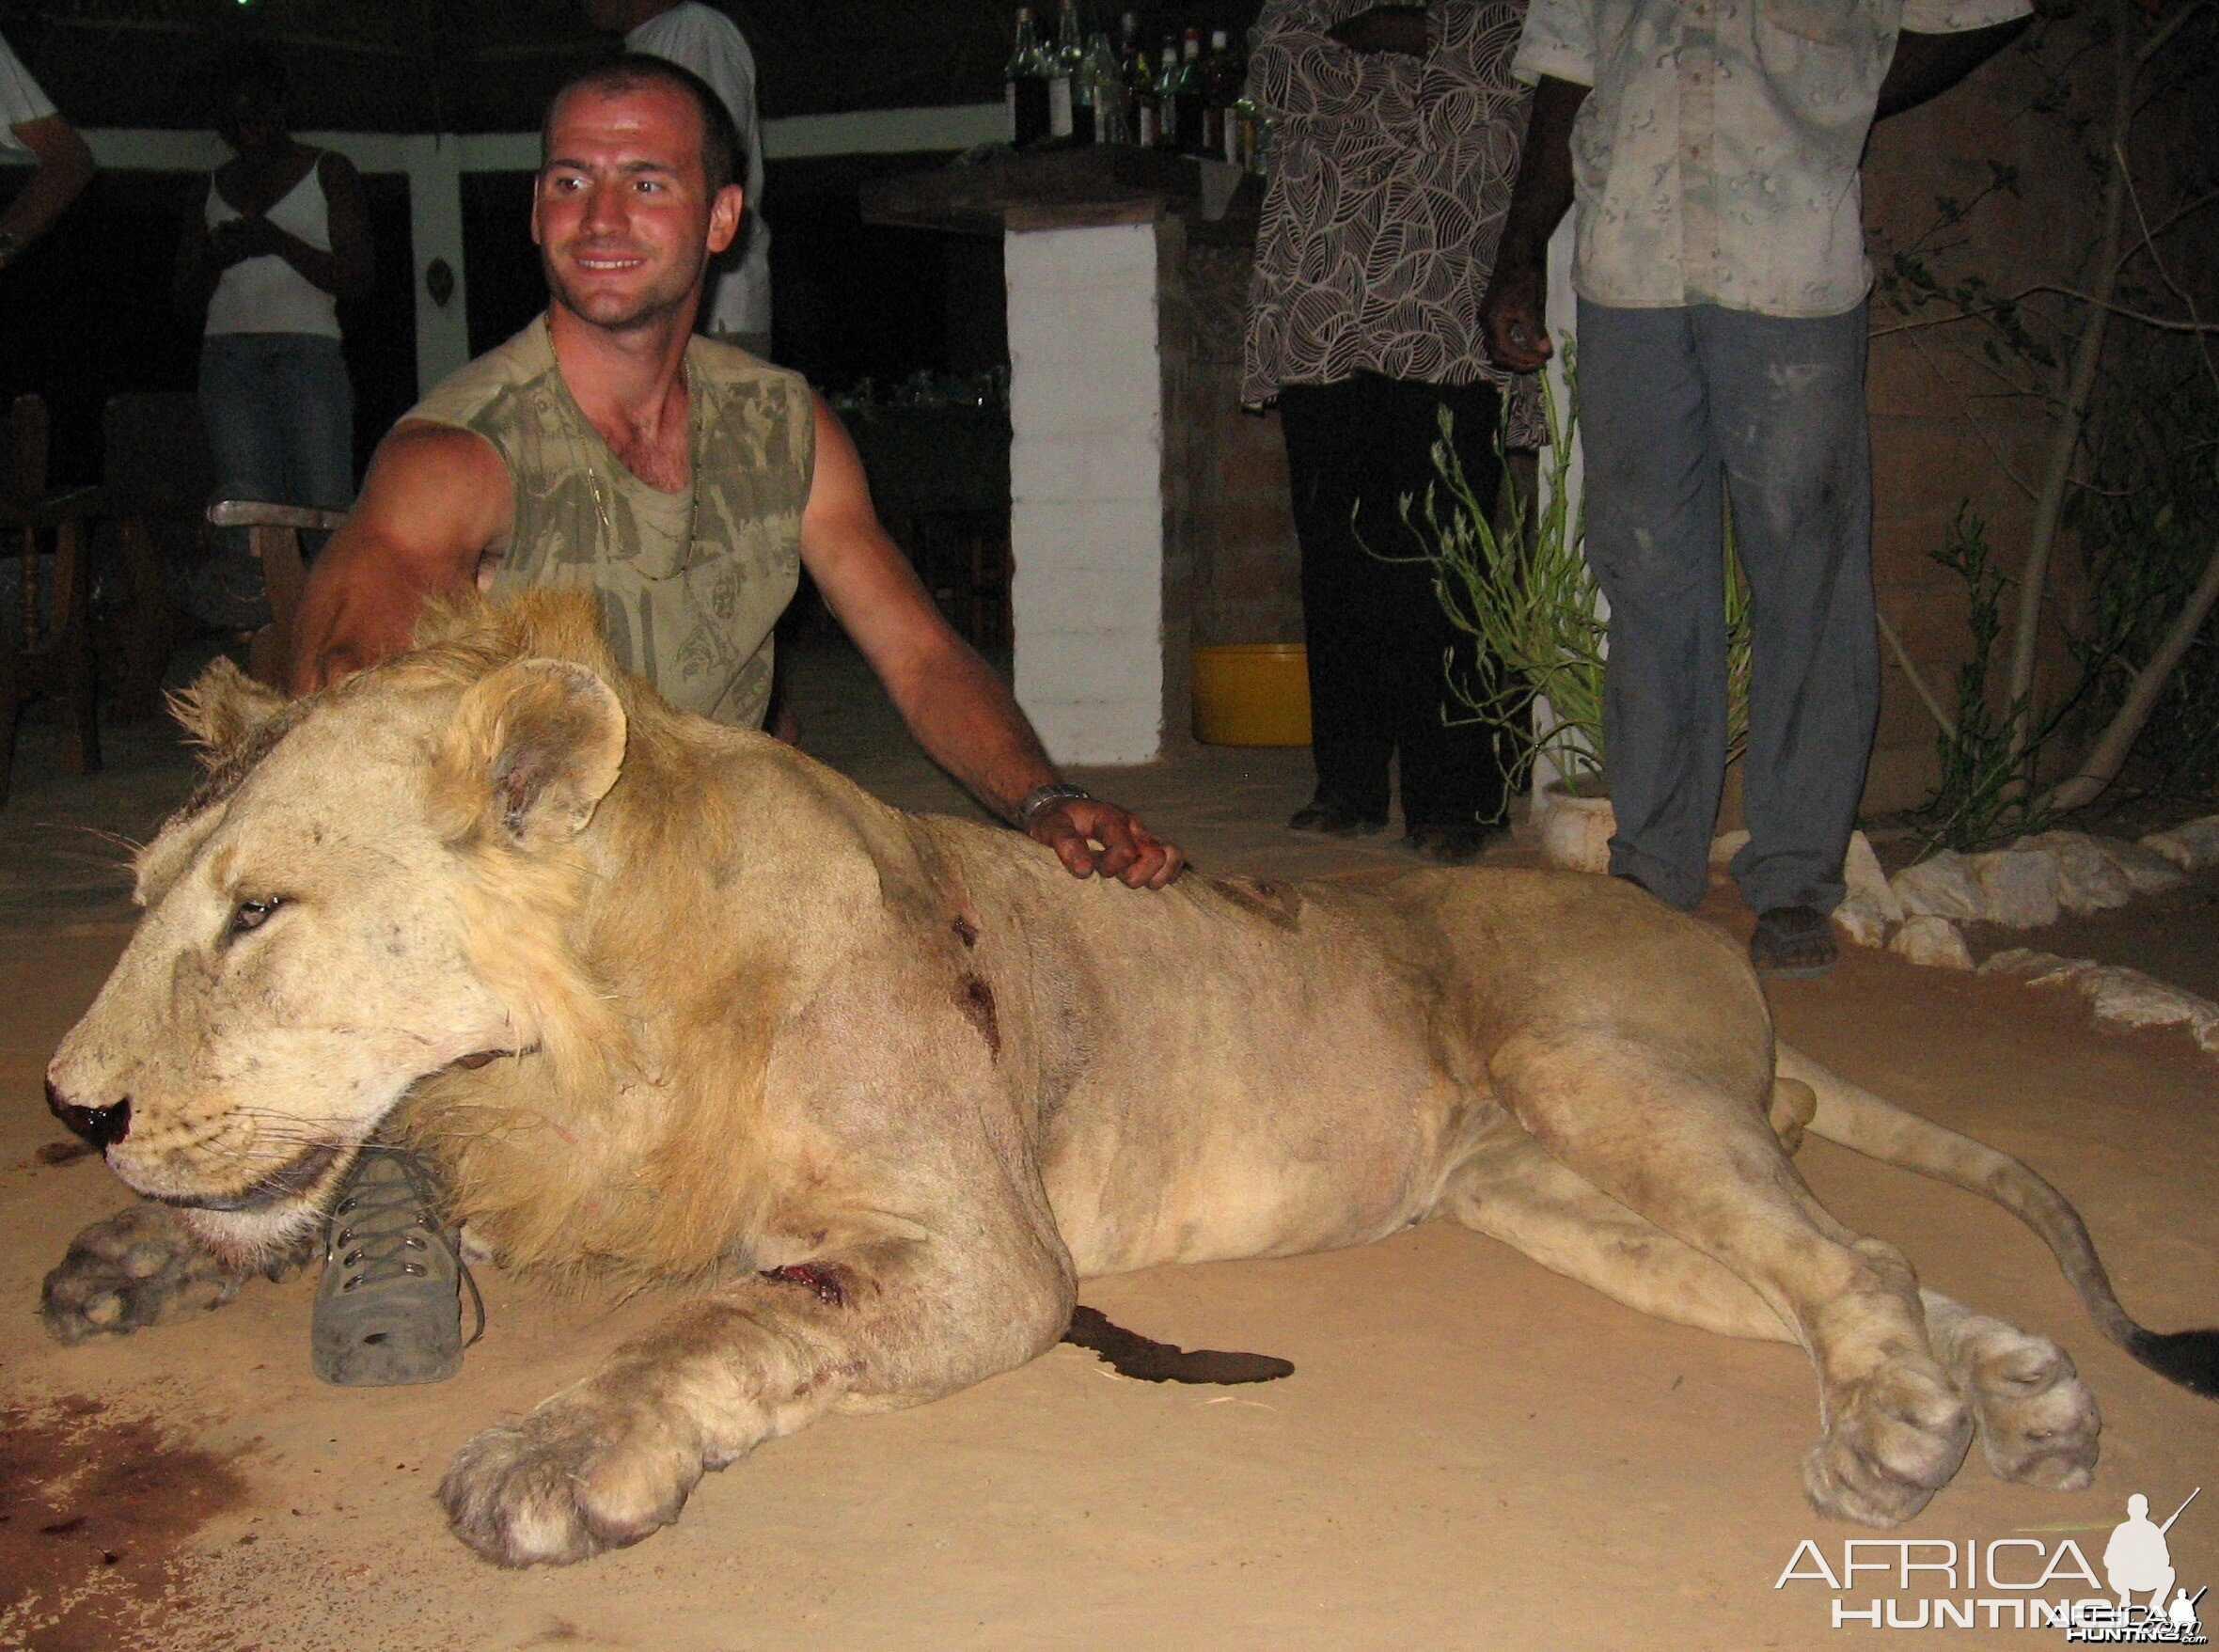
(54, 653)
(273, 534)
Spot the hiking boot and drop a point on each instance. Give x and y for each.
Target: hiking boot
(1334, 821)
(388, 1308)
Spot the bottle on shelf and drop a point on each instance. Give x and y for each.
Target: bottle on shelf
(1064, 66)
(1139, 86)
(1167, 97)
(1220, 90)
(1188, 89)
(1103, 93)
(1025, 84)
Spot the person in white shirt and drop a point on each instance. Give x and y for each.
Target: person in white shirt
(1712, 147)
(272, 243)
(702, 38)
(30, 123)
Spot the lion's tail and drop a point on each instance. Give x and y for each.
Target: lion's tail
(1857, 1119)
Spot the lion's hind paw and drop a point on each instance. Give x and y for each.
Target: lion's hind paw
(136, 1269)
(2038, 1423)
(1894, 1439)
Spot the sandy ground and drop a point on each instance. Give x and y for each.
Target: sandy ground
(1472, 1453)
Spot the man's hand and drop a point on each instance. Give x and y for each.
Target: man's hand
(1129, 851)
(1514, 316)
(236, 239)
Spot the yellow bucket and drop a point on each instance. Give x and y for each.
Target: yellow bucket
(1252, 694)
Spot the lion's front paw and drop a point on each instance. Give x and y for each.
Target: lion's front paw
(2038, 1423)
(136, 1269)
(576, 1476)
(1894, 1439)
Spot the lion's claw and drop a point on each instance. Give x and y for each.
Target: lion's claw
(574, 1478)
(136, 1269)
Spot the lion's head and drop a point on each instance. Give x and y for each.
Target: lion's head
(315, 915)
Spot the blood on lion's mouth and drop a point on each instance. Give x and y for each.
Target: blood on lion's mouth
(295, 1176)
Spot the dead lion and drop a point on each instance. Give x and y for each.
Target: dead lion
(875, 1091)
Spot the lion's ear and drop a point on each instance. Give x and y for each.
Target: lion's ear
(223, 706)
(532, 749)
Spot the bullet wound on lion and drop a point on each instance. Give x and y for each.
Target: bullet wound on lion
(819, 1277)
(977, 1003)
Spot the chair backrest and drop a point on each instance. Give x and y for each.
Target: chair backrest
(22, 464)
(157, 463)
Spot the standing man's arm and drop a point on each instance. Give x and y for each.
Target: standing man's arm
(1515, 313)
(65, 168)
(434, 500)
(957, 708)
(1926, 66)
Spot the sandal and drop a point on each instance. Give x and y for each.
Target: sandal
(388, 1308)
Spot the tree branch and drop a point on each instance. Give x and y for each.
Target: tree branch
(1918, 684)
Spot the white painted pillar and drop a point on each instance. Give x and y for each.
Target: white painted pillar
(435, 232)
(1086, 489)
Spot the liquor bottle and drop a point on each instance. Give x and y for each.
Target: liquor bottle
(1139, 86)
(1026, 86)
(1187, 90)
(1220, 90)
(1167, 97)
(1062, 73)
(1104, 100)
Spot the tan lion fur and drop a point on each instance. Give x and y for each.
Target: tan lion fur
(672, 1004)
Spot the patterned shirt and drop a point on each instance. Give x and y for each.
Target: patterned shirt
(1715, 162)
(1390, 177)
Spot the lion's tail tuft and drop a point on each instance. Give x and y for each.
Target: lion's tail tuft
(1857, 1119)
(2189, 1358)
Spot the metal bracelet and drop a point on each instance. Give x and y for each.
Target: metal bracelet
(1041, 796)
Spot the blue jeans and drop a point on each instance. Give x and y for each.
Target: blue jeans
(1673, 402)
(280, 417)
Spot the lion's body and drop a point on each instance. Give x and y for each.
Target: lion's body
(745, 1018)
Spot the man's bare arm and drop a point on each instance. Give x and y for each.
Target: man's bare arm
(1514, 312)
(435, 499)
(958, 709)
(1926, 66)
(65, 168)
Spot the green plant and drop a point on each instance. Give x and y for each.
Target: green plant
(1981, 797)
(1521, 589)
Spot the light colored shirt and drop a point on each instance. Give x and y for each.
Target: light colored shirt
(266, 294)
(20, 101)
(702, 38)
(1390, 178)
(1715, 159)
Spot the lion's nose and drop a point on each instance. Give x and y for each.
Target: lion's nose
(104, 1126)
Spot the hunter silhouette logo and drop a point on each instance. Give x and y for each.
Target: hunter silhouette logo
(2139, 1561)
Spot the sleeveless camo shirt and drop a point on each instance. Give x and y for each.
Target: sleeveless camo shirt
(690, 583)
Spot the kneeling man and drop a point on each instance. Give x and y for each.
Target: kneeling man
(688, 483)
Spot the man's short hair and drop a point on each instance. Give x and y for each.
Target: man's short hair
(724, 155)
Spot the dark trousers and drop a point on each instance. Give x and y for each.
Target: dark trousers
(1676, 404)
(1377, 641)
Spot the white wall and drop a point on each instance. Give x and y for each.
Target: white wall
(1086, 489)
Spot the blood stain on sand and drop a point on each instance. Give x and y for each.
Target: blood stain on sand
(94, 1509)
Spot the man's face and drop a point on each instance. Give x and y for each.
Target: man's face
(624, 218)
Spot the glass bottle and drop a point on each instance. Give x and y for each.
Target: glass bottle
(1025, 84)
(1139, 87)
(1188, 89)
(1062, 73)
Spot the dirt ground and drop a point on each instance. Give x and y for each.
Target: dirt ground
(1472, 1453)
